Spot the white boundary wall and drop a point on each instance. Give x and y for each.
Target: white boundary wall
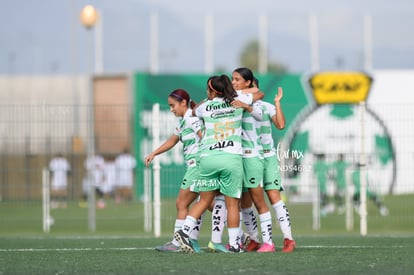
(392, 98)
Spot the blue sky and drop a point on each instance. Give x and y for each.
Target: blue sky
(46, 36)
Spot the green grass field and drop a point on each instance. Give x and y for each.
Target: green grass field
(121, 246)
(25, 219)
(126, 255)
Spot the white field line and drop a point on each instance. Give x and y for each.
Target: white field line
(152, 248)
(72, 249)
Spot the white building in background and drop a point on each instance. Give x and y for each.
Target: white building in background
(36, 110)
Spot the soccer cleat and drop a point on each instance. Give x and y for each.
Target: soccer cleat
(288, 246)
(101, 204)
(252, 246)
(217, 247)
(83, 204)
(168, 247)
(235, 249)
(184, 241)
(196, 246)
(245, 239)
(266, 248)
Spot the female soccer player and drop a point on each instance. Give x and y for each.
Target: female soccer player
(272, 179)
(253, 171)
(189, 132)
(272, 114)
(220, 158)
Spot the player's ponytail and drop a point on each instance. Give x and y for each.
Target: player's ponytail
(222, 87)
(229, 92)
(192, 104)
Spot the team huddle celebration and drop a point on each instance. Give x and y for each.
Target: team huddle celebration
(230, 129)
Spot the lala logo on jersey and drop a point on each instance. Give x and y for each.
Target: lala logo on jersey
(222, 144)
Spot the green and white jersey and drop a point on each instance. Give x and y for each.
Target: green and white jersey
(250, 135)
(265, 128)
(222, 124)
(186, 130)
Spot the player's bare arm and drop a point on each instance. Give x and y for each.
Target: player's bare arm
(167, 145)
(279, 119)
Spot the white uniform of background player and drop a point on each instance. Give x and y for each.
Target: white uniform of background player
(60, 168)
(94, 166)
(125, 164)
(108, 184)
